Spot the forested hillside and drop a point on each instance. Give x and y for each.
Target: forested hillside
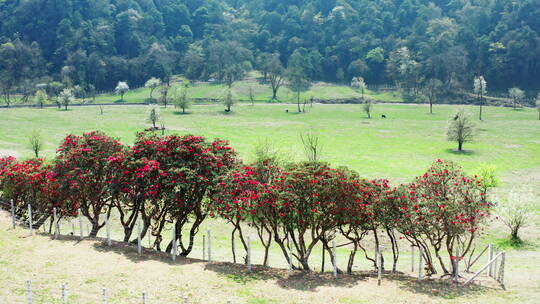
(96, 43)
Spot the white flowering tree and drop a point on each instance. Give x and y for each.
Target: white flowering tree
(517, 95)
(152, 83)
(121, 88)
(359, 84)
(66, 97)
(480, 89)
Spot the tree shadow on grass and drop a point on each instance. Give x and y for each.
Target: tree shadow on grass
(463, 152)
(181, 113)
(129, 251)
(441, 288)
(298, 280)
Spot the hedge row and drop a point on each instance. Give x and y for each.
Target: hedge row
(182, 180)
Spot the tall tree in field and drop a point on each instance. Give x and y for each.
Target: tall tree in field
(153, 115)
(66, 97)
(164, 94)
(432, 91)
(182, 100)
(36, 142)
(517, 95)
(297, 74)
(228, 101)
(275, 73)
(359, 84)
(460, 129)
(41, 98)
(367, 108)
(152, 83)
(480, 89)
(122, 88)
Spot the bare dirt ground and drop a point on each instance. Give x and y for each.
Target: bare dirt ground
(89, 265)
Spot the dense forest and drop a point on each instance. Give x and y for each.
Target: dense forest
(96, 43)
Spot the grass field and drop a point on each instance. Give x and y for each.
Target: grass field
(261, 92)
(397, 148)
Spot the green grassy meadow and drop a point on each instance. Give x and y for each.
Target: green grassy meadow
(262, 92)
(399, 147)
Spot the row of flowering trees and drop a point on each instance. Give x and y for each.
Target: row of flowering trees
(182, 180)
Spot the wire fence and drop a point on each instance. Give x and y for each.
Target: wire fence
(80, 228)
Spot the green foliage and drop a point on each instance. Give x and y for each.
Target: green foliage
(488, 176)
(41, 98)
(228, 101)
(106, 41)
(153, 115)
(181, 100)
(460, 128)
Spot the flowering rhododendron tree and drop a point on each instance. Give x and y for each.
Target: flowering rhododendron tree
(244, 196)
(84, 171)
(135, 189)
(442, 210)
(310, 196)
(29, 182)
(191, 168)
(370, 208)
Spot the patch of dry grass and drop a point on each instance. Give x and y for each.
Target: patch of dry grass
(89, 265)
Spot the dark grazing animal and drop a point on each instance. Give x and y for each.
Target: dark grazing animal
(383, 116)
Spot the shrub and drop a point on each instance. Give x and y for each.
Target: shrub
(83, 169)
(192, 166)
(442, 210)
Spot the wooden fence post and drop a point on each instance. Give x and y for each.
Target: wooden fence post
(204, 247)
(13, 214)
(64, 294)
(56, 226)
(72, 228)
(108, 229)
(490, 257)
(139, 247)
(494, 271)
(209, 246)
(420, 263)
(334, 258)
(80, 224)
(412, 258)
(173, 251)
(501, 271)
(290, 256)
(488, 265)
(29, 291)
(249, 252)
(456, 263)
(30, 225)
(104, 295)
(379, 267)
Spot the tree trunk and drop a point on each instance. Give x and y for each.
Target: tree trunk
(460, 145)
(480, 115)
(298, 102)
(430, 107)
